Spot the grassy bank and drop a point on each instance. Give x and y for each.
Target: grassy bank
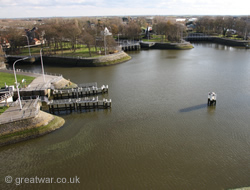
(80, 51)
(9, 79)
(113, 62)
(31, 132)
(186, 46)
(2, 109)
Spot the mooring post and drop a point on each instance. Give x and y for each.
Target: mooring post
(53, 111)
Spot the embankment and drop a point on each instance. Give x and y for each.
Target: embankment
(230, 42)
(106, 60)
(25, 129)
(218, 40)
(177, 46)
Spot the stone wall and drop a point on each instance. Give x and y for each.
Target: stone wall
(26, 129)
(110, 59)
(230, 42)
(185, 45)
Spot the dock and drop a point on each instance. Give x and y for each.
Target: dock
(78, 104)
(83, 90)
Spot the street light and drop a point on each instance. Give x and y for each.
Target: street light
(28, 43)
(106, 33)
(19, 99)
(42, 63)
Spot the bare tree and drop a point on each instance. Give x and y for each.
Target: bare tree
(133, 30)
(88, 40)
(2, 59)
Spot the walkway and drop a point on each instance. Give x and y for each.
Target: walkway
(38, 83)
(30, 109)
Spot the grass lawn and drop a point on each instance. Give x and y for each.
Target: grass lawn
(9, 79)
(2, 109)
(156, 38)
(81, 51)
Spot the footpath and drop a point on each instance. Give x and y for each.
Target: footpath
(29, 122)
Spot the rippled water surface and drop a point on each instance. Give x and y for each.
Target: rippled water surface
(159, 133)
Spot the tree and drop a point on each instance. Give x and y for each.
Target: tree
(87, 39)
(133, 30)
(2, 59)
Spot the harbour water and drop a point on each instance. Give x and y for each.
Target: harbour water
(159, 134)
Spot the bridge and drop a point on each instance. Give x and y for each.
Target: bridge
(129, 45)
(198, 37)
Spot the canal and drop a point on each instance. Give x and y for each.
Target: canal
(159, 133)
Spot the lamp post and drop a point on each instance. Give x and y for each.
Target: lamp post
(105, 44)
(106, 33)
(19, 99)
(42, 63)
(28, 43)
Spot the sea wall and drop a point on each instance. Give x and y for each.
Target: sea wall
(25, 129)
(230, 42)
(213, 39)
(179, 46)
(106, 60)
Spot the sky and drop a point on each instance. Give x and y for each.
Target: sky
(71, 8)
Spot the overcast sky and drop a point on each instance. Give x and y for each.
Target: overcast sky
(57, 8)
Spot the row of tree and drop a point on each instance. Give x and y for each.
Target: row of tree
(223, 25)
(61, 33)
(57, 31)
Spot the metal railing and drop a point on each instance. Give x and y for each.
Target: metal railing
(6, 96)
(30, 112)
(35, 72)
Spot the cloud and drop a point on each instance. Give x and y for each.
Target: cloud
(48, 8)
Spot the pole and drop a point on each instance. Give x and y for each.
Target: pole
(42, 64)
(118, 40)
(18, 94)
(104, 43)
(28, 43)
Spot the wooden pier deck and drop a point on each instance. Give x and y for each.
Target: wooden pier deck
(78, 104)
(81, 91)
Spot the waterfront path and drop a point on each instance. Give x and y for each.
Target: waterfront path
(38, 83)
(30, 107)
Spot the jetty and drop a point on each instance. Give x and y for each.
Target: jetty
(78, 104)
(59, 98)
(130, 45)
(82, 90)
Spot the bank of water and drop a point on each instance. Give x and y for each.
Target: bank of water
(159, 133)
(26, 129)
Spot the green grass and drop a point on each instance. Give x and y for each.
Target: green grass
(81, 51)
(156, 38)
(9, 79)
(57, 122)
(114, 62)
(2, 109)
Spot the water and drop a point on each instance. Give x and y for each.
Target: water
(159, 134)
